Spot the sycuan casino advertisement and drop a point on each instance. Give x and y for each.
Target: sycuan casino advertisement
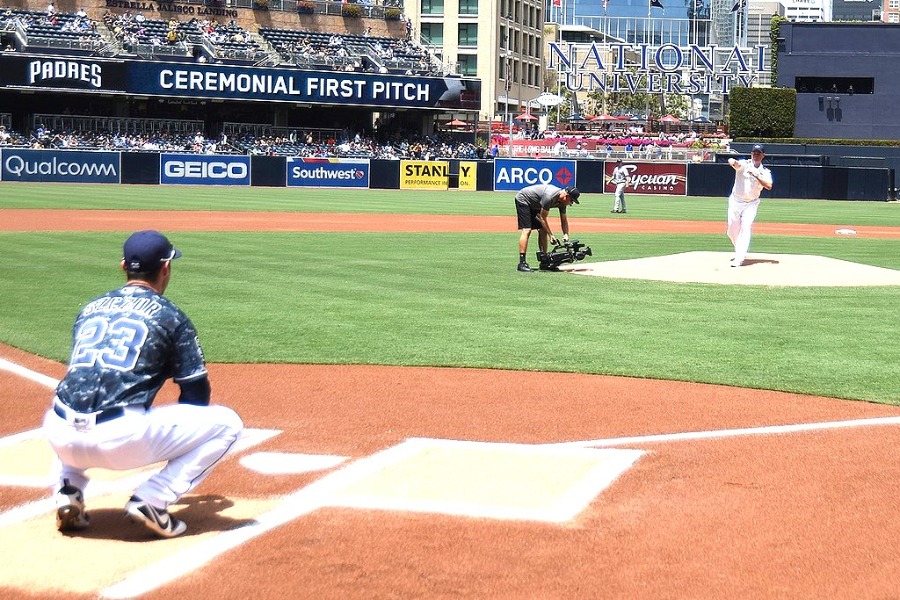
(649, 178)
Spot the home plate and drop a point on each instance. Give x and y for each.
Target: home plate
(795, 270)
(478, 479)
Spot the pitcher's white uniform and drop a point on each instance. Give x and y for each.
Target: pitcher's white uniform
(750, 178)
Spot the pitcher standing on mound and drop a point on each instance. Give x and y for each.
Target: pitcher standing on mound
(750, 178)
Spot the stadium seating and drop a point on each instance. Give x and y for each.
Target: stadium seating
(370, 53)
(70, 33)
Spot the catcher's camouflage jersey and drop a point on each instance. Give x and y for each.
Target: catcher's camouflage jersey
(126, 343)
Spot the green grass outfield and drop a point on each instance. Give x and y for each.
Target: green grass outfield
(456, 300)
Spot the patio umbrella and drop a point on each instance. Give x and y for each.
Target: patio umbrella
(577, 117)
(603, 117)
(526, 117)
(457, 123)
(670, 119)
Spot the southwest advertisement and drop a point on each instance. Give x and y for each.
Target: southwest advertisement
(327, 172)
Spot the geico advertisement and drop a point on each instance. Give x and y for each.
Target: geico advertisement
(193, 169)
(327, 172)
(424, 175)
(649, 178)
(512, 174)
(59, 166)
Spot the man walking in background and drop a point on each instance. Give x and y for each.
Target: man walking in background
(533, 205)
(620, 180)
(750, 178)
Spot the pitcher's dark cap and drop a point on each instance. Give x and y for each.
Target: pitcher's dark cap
(573, 193)
(759, 148)
(146, 251)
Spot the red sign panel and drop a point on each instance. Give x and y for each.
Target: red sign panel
(649, 178)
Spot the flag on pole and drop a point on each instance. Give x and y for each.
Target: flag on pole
(738, 5)
(698, 4)
(557, 2)
(605, 4)
(657, 4)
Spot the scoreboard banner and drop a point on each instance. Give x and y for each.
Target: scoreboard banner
(228, 82)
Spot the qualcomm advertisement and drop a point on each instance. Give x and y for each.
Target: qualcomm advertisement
(194, 169)
(59, 167)
(327, 172)
(512, 174)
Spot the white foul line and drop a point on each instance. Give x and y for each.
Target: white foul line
(724, 433)
(28, 374)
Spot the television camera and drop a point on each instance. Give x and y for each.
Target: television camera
(565, 252)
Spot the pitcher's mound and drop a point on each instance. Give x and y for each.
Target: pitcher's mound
(758, 269)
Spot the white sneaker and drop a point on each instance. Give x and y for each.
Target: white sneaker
(70, 512)
(158, 521)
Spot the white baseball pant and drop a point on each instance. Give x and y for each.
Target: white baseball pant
(190, 439)
(740, 223)
(620, 197)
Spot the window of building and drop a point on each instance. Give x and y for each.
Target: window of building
(835, 85)
(893, 17)
(468, 64)
(432, 7)
(433, 32)
(893, 3)
(468, 34)
(468, 7)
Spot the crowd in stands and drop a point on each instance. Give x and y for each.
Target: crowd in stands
(146, 37)
(76, 29)
(349, 52)
(357, 146)
(343, 145)
(162, 141)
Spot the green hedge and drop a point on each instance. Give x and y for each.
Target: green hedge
(762, 112)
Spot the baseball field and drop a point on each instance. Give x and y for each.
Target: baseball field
(424, 421)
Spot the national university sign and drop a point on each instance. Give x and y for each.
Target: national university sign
(668, 68)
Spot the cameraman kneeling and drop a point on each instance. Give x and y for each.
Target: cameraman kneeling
(533, 205)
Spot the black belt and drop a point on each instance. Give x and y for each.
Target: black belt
(101, 417)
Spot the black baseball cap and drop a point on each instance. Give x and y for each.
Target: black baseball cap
(758, 148)
(146, 251)
(573, 193)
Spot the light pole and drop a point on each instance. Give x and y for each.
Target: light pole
(509, 82)
(505, 69)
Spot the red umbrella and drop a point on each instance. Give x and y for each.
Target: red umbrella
(526, 117)
(670, 119)
(457, 123)
(603, 117)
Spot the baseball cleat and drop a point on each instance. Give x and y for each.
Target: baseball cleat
(158, 521)
(70, 513)
(524, 268)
